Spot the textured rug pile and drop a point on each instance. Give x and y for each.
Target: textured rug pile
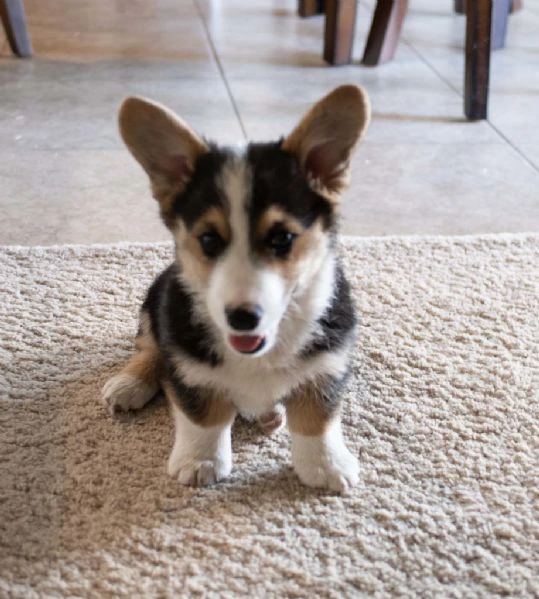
(442, 411)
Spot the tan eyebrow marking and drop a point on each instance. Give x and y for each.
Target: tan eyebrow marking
(275, 215)
(213, 219)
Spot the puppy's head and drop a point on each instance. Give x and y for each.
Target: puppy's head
(252, 228)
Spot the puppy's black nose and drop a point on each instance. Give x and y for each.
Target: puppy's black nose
(244, 318)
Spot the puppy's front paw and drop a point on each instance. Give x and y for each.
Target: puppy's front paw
(196, 472)
(126, 392)
(325, 461)
(338, 471)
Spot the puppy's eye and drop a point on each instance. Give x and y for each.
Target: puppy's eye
(212, 244)
(280, 242)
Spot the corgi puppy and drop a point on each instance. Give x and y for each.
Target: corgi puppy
(254, 316)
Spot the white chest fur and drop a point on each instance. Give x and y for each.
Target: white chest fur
(254, 387)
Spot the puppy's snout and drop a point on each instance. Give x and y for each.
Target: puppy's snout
(243, 318)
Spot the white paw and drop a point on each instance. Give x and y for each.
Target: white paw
(271, 422)
(325, 461)
(200, 456)
(335, 471)
(126, 392)
(197, 472)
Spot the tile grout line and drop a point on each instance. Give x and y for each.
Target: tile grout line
(457, 91)
(516, 148)
(221, 69)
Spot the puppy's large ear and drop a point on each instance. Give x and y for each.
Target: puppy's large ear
(164, 145)
(324, 139)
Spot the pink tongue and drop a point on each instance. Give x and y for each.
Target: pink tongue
(245, 343)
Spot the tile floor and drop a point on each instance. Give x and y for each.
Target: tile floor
(238, 69)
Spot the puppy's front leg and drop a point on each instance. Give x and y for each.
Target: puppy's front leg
(202, 452)
(319, 454)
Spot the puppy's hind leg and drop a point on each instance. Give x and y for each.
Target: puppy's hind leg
(138, 381)
(273, 421)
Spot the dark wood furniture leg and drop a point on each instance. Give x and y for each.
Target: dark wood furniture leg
(476, 76)
(460, 6)
(308, 8)
(385, 31)
(339, 30)
(14, 21)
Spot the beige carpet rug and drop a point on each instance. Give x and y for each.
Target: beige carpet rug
(442, 411)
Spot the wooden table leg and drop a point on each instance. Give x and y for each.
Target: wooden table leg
(500, 14)
(339, 30)
(308, 8)
(460, 6)
(476, 77)
(14, 21)
(385, 31)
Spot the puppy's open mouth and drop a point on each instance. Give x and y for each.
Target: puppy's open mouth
(247, 344)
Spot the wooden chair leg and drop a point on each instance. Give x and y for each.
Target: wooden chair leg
(385, 31)
(14, 21)
(308, 8)
(460, 6)
(339, 31)
(476, 77)
(500, 14)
